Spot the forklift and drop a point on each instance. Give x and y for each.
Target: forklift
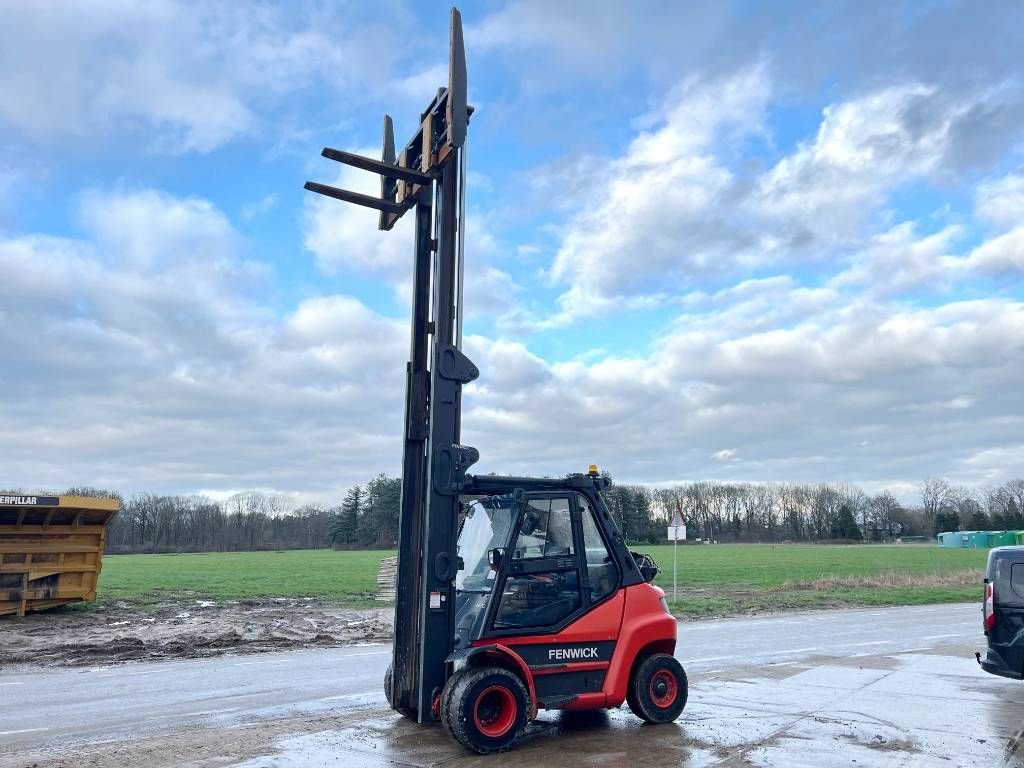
(534, 601)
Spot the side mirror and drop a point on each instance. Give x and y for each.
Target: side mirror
(494, 558)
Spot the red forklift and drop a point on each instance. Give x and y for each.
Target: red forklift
(533, 601)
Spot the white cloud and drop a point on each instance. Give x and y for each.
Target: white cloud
(1001, 201)
(553, 33)
(679, 208)
(257, 208)
(173, 76)
(342, 236)
(1001, 254)
(652, 226)
(345, 236)
(899, 259)
(168, 373)
(869, 146)
(151, 335)
(863, 147)
(147, 226)
(419, 87)
(852, 392)
(95, 66)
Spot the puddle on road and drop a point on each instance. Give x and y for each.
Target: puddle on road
(603, 739)
(1013, 753)
(908, 710)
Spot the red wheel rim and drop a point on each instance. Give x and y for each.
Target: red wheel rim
(663, 689)
(494, 712)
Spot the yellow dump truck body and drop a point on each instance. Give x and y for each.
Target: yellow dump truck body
(51, 550)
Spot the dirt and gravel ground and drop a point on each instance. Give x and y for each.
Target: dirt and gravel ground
(194, 628)
(185, 630)
(886, 687)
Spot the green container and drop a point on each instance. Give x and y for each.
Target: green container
(1003, 538)
(1019, 535)
(974, 539)
(951, 540)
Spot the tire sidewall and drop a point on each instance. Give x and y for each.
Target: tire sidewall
(641, 693)
(464, 698)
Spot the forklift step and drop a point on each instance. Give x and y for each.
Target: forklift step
(557, 702)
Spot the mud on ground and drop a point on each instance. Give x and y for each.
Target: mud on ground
(193, 628)
(183, 630)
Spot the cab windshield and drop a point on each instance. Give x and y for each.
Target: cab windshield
(487, 526)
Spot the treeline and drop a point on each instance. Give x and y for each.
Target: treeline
(947, 507)
(752, 512)
(367, 517)
(254, 520)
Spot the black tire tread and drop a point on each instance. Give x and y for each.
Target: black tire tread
(637, 696)
(446, 697)
(454, 705)
(409, 713)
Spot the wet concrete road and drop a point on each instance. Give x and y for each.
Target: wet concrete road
(871, 687)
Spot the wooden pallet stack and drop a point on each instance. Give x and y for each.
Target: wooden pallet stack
(386, 577)
(51, 550)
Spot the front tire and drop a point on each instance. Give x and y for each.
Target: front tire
(485, 708)
(658, 689)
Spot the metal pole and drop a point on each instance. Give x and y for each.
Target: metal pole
(675, 564)
(461, 245)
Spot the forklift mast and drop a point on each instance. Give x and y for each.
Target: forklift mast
(428, 176)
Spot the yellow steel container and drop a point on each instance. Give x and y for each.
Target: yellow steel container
(51, 550)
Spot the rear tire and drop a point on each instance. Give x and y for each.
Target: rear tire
(485, 708)
(657, 689)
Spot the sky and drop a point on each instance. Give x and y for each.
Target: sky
(725, 240)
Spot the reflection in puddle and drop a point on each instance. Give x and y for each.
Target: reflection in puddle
(1013, 754)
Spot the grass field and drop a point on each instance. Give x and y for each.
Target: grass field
(347, 578)
(740, 578)
(713, 580)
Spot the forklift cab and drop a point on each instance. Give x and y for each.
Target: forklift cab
(531, 562)
(1003, 613)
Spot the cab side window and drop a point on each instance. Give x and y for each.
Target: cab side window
(546, 530)
(543, 587)
(601, 570)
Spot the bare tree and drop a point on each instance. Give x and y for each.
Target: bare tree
(935, 495)
(883, 508)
